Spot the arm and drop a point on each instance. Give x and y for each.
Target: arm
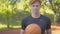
(48, 31)
(21, 31)
(48, 28)
(23, 27)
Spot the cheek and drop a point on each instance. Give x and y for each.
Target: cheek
(32, 8)
(38, 8)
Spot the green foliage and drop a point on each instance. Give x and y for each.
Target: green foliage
(55, 7)
(13, 11)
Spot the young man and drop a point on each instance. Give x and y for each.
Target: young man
(37, 18)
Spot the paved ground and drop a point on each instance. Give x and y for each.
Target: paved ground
(55, 30)
(16, 31)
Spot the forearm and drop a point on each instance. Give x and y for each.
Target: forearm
(21, 31)
(48, 31)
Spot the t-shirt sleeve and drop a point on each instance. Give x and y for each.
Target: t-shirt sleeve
(48, 24)
(23, 24)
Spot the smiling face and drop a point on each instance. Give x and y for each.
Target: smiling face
(35, 7)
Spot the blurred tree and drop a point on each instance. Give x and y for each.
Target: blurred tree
(13, 3)
(53, 5)
(5, 9)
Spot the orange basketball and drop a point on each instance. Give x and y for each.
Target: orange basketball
(33, 29)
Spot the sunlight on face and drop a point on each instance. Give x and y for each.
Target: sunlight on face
(35, 7)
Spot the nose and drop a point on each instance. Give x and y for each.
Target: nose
(35, 7)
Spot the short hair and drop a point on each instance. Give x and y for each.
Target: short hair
(33, 1)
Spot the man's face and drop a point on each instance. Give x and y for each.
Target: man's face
(35, 7)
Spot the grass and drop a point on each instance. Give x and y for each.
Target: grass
(4, 27)
(1, 26)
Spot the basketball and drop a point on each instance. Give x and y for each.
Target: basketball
(33, 29)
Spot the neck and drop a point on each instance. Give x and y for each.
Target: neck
(37, 15)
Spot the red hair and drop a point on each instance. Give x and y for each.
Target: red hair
(33, 1)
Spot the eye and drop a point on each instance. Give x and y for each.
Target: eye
(33, 5)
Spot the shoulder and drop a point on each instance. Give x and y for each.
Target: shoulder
(46, 17)
(25, 18)
(48, 21)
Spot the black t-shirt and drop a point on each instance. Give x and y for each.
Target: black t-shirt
(43, 21)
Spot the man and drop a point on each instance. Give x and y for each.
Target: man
(35, 17)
